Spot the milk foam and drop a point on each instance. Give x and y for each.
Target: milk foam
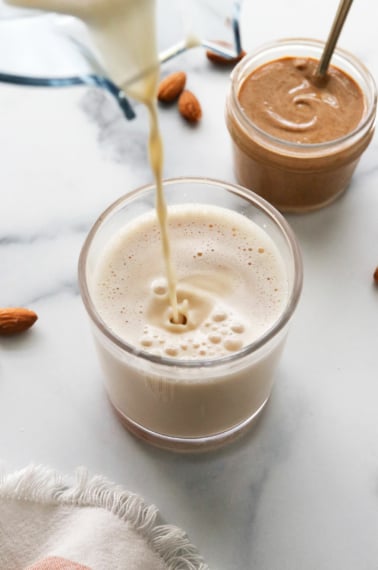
(231, 283)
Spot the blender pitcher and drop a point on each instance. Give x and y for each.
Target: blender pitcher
(58, 43)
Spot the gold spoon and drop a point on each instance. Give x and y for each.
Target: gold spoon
(330, 45)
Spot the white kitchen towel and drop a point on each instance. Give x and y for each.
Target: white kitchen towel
(53, 522)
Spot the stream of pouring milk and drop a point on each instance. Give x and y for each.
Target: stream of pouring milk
(125, 35)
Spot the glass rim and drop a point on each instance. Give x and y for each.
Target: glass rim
(262, 205)
(314, 43)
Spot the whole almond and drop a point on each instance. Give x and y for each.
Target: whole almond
(189, 107)
(222, 60)
(14, 320)
(171, 86)
(375, 276)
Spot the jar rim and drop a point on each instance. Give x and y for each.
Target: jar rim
(263, 206)
(367, 121)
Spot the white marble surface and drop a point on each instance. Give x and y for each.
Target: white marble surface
(299, 492)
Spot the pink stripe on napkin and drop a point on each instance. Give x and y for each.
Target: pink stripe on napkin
(56, 563)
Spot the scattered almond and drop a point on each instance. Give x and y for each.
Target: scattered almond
(189, 107)
(220, 59)
(171, 87)
(375, 275)
(14, 320)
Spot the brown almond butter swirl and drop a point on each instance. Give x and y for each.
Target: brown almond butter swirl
(282, 98)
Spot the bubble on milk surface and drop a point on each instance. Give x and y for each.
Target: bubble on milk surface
(218, 335)
(159, 287)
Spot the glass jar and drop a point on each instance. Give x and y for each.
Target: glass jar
(297, 177)
(189, 404)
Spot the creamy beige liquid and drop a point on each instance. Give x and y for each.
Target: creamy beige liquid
(124, 32)
(232, 287)
(231, 283)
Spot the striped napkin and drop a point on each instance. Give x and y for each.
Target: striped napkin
(53, 522)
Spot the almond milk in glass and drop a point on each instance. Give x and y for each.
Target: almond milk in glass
(202, 381)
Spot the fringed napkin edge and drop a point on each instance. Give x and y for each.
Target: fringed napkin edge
(42, 484)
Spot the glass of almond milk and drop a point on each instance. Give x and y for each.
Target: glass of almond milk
(198, 381)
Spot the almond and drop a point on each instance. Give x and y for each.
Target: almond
(375, 275)
(220, 59)
(171, 86)
(189, 106)
(15, 320)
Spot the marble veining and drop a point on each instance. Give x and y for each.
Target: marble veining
(299, 492)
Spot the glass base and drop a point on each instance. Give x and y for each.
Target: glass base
(188, 444)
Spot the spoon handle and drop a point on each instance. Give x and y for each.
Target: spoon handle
(338, 23)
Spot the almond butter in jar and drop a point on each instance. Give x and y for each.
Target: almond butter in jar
(297, 142)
